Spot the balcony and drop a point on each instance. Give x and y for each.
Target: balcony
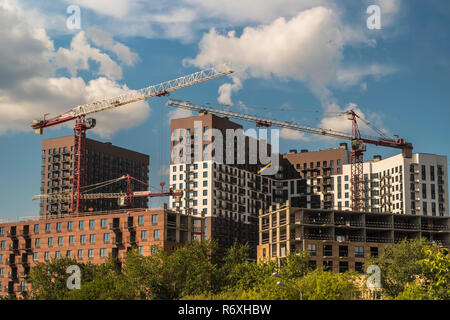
(131, 240)
(114, 227)
(13, 248)
(11, 234)
(320, 221)
(117, 241)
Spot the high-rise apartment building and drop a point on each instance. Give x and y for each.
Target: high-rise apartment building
(228, 195)
(104, 162)
(417, 185)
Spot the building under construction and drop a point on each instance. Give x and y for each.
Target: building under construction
(341, 240)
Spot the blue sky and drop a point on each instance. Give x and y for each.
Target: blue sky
(300, 55)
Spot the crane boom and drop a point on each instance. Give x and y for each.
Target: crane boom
(133, 96)
(266, 122)
(94, 196)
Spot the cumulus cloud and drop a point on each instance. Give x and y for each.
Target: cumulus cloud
(80, 53)
(163, 171)
(338, 121)
(289, 134)
(178, 113)
(309, 48)
(105, 40)
(30, 88)
(306, 48)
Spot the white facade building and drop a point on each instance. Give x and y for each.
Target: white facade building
(417, 185)
(219, 190)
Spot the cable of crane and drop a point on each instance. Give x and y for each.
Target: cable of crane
(102, 184)
(256, 107)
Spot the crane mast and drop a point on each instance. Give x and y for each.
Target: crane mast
(357, 141)
(82, 124)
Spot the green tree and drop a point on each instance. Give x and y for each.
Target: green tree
(399, 265)
(436, 272)
(49, 280)
(326, 285)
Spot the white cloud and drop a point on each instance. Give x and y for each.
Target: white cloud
(341, 122)
(177, 113)
(308, 48)
(29, 87)
(353, 75)
(289, 134)
(77, 58)
(114, 8)
(164, 170)
(105, 40)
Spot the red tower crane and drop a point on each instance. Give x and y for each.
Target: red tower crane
(124, 198)
(82, 124)
(358, 141)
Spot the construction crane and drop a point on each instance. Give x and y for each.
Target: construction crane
(358, 142)
(125, 198)
(82, 123)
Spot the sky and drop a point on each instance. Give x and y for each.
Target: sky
(289, 56)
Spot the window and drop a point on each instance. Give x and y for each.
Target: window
(312, 249)
(327, 250)
(37, 243)
(359, 267)
(374, 252)
(359, 252)
(59, 227)
(35, 256)
(58, 254)
(47, 256)
(205, 183)
(144, 235)
(328, 265)
(91, 253)
(103, 253)
(48, 227)
(104, 223)
(71, 240)
(156, 234)
(91, 224)
(70, 226)
(106, 238)
(140, 250)
(154, 219)
(92, 239)
(343, 266)
(141, 220)
(83, 239)
(69, 254)
(343, 251)
(36, 228)
(80, 254)
(81, 225)
(60, 241)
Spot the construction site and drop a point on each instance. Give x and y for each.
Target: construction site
(332, 203)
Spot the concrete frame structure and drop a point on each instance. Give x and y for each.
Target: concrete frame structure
(341, 240)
